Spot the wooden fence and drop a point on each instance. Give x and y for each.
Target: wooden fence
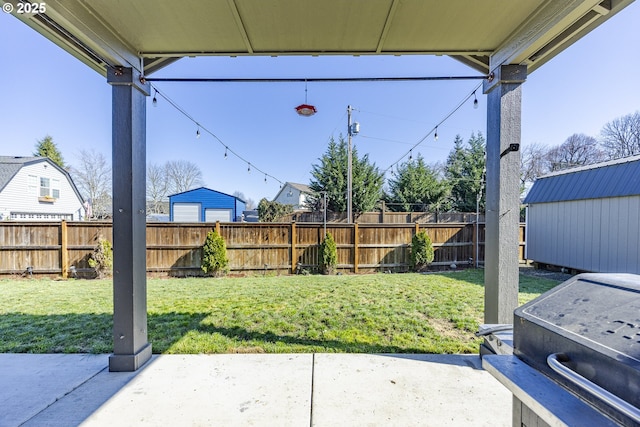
(58, 248)
(384, 217)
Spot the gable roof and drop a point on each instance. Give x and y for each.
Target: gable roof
(615, 178)
(200, 189)
(11, 165)
(303, 188)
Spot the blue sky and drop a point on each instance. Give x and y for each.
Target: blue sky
(46, 91)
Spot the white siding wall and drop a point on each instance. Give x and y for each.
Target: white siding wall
(285, 199)
(19, 196)
(297, 199)
(599, 235)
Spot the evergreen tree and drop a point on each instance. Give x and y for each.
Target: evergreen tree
(416, 187)
(272, 211)
(47, 148)
(465, 173)
(331, 176)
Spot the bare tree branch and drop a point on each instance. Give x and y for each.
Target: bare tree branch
(621, 137)
(92, 176)
(182, 175)
(157, 187)
(579, 149)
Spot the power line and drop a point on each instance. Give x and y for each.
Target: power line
(434, 130)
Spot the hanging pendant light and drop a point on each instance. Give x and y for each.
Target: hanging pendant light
(305, 109)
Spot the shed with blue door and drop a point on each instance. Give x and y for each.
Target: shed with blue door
(205, 205)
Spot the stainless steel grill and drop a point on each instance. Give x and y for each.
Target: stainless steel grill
(582, 338)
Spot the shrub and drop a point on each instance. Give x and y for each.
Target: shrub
(421, 251)
(214, 255)
(272, 211)
(101, 259)
(328, 255)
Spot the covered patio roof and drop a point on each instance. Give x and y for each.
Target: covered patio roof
(148, 34)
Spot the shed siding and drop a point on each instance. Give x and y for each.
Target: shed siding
(208, 199)
(598, 235)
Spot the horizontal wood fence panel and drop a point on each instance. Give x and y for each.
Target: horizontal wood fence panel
(176, 248)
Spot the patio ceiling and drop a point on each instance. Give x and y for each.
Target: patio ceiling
(150, 34)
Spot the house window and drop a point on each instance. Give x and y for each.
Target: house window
(55, 188)
(45, 187)
(33, 185)
(50, 188)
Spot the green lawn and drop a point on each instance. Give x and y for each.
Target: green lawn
(378, 313)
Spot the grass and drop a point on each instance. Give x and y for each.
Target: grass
(380, 313)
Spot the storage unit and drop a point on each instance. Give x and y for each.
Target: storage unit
(587, 218)
(205, 205)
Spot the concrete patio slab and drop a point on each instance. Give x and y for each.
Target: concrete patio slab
(252, 390)
(30, 383)
(213, 390)
(406, 390)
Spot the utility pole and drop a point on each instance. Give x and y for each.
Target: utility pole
(349, 170)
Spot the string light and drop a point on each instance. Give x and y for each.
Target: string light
(155, 100)
(475, 100)
(227, 149)
(410, 154)
(435, 128)
(265, 178)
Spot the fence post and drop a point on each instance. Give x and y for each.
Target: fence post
(417, 227)
(64, 254)
(356, 252)
(474, 241)
(218, 228)
(294, 239)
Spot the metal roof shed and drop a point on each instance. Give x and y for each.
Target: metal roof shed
(587, 218)
(204, 205)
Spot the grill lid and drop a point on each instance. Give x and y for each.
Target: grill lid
(592, 321)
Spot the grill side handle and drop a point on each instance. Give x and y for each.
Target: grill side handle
(554, 362)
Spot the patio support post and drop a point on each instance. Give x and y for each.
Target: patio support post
(503, 192)
(131, 349)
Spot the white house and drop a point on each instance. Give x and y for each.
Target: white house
(37, 189)
(294, 194)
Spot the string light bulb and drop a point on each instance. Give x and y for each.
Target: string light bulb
(410, 154)
(155, 100)
(475, 100)
(198, 133)
(249, 167)
(265, 178)
(435, 135)
(225, 152)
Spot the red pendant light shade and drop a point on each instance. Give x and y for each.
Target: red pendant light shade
(306, 110)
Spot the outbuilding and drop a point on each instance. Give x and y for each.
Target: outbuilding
(205, 205)
(587, 218)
